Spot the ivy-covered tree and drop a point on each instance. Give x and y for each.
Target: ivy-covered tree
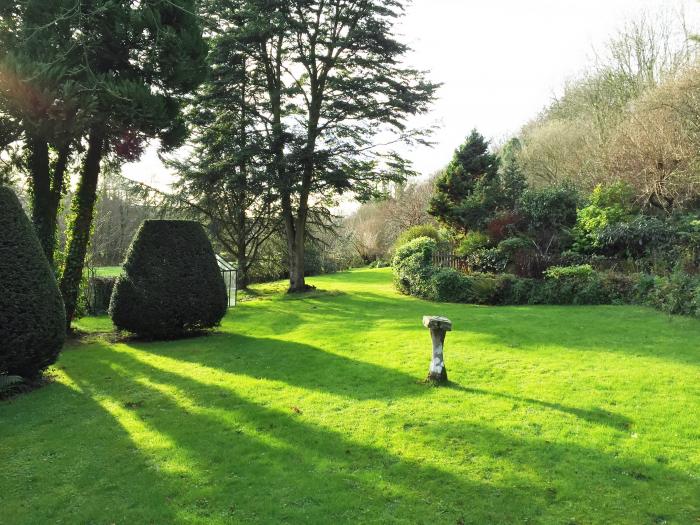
(41, 104)
(138, 62)
(468, 192)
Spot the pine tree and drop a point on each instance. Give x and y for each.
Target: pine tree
(225, 182)
(40, 101)
(468, 191)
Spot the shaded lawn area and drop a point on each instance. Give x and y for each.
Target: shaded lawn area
(312, 410)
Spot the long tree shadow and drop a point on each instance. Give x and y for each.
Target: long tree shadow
(292, 363)
(595, 415)
(277, 467)
(85, 458)
(264, 465)
(583, 482)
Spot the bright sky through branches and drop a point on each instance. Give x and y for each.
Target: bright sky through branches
(500, 62)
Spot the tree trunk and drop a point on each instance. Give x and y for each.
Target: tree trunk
(39, 170)
(296, 247)
(242, 279)
(47, 189)
(83, 210)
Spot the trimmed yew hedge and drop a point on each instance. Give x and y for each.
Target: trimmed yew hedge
(32, 316)
(170, 284)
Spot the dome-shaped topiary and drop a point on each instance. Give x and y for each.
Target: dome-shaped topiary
(170, 284)
(32, 316)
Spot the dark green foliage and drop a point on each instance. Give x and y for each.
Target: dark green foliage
(413, 267)
(549, 213)
(450, 286)
(99, 294)
(635, 238)
(225, 182)
(414, 274)
(487, 260)
(32, 317)
(10, 385)
(678, 294)
(472, 242)
(171, 283)
(468, 192)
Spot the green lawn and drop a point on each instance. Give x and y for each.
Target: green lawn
(108, 271)
(312, 410)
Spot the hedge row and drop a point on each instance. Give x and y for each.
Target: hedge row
(32, 316)
(415, 275)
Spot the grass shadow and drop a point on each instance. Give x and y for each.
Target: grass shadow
(595, 415)
(295, 364)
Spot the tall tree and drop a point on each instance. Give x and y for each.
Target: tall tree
(40, 102)
(351, 91)
(226, 180)
(334, 89)
(139, 62)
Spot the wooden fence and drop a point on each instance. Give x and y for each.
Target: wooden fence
(450, 260)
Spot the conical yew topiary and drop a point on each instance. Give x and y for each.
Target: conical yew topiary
(32, 317)
(170, 284)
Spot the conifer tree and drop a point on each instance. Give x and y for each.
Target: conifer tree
(468, 191)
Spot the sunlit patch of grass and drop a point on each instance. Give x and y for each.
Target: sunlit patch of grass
(108, 271)
(312, 409)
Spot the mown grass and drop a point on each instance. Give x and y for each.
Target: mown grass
(108, 271)
(312, 410)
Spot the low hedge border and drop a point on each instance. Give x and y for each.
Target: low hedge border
(414, 274)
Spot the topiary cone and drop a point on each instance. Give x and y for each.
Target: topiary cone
(171, 283)
(32, 316)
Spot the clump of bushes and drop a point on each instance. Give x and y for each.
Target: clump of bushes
(415, 275)
(413, 267)
(99, 291)
(416, 232)
(32, 316)
(171, 284)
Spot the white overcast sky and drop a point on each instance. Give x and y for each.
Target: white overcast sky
(500, 62)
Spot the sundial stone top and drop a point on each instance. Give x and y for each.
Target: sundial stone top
(436, 321)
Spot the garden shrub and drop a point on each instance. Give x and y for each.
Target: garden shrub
(416, 232)
(379, 263)
(517, 290)
(450, 286)
(413, 267)
(32, 316)
(170, 284)
(676, 294)
(580, 272)
(414, 274)
(472, 242)
(100, 290)
(620, 288)
(484, 288)
(488, 260)
(611, 204)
